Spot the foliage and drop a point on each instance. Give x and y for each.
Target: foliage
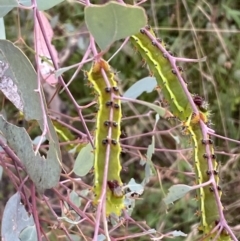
(49, 114)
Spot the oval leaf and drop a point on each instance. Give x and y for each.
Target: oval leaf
(41, 4)
(43, 172)
(29, 234)
(146, 84)
(135, 187)
(84, 161)
(15, 219)
(75, 199)
(176, 192)
(113, 21)
(6, 6)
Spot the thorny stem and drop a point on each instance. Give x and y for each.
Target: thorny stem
(34, 211)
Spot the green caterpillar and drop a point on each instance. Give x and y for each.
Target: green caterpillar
(155, 54)
(107, 134)
(166, 77)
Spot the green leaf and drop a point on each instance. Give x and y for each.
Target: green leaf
(74, 237)
(113, 21)
(151, 149)
(42, 4)
(43, 172)
(2, 29)
(16, 216)
(84, 161)
(146, 84)
(149, 168)
(21, 72)
(74, 198)
(160, 110)
(29, 234)
(6, 6)
(60, 71)
(68, 220)
(21, 83)
(135, 187)
(101, 237)
(176, 192)
(1, 172)
(178, 233)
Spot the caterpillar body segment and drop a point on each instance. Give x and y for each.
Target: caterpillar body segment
(162, 71)
(107, 135)
(207, 203)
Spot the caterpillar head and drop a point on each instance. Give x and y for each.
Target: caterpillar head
(200, 103)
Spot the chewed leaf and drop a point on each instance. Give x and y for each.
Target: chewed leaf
(129, 203)
(9, 88)
(84, 161)
(176, 192)
(135, 187)
(38, 139)
(18, 73)
(19, 80)
(15, 219)
(113, 21)
(146, 84)
(43, 172)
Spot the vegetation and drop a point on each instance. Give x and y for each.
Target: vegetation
(65, 69)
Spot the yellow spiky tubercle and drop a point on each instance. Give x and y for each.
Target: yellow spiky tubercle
(107, 136)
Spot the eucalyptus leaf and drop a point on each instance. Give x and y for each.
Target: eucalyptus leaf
(1, 172)
(176, 192)
(84, 161)
(29, 234)
(2, 29)
(18, 70)
(6, 6)
(177, 233)
(135, 187)
(146, 84)
(75, 199)
(113, 21)
(15, 219)
(41, 4)
(43, 172)
(101, 237)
